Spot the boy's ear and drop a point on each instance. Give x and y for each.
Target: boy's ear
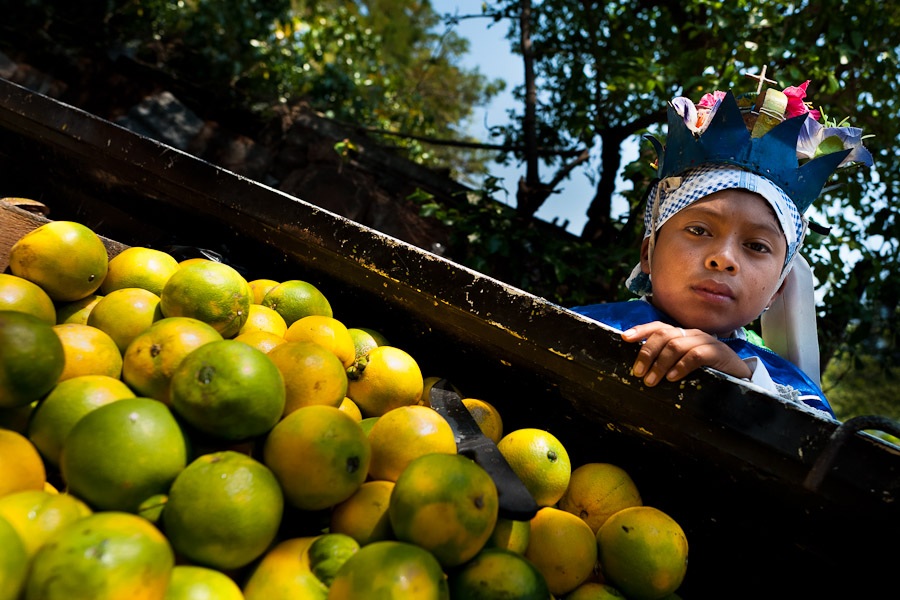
(777, 293)
(645, 255)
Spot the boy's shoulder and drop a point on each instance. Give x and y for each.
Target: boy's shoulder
(623, 315)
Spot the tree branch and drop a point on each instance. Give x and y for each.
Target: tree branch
(463, 144)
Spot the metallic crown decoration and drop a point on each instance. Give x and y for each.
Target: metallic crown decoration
(728, 141)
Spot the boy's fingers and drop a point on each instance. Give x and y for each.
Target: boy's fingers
(658, 353)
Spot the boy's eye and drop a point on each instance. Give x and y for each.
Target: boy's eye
(695, 229)
(758, 247)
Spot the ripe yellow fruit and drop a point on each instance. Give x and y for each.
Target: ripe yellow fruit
(261, 287)
(643, 552)
(88, 351)
(21, 467)
(263, 318)
(319, 455)
(190, 583)
(510, 535)
(540, 461)
(325, 331)
(139, 267)
(364, 515)
(404, 434)
(563, 548)
(124, 314)
(350, 407)
(77, 311)
(384, 379)
(66, 259)
(598, 490)
(24, 296)
(263, 341)
(312, 375)
(487, 417)
(284, 572)
(36, 515)
(212, 292)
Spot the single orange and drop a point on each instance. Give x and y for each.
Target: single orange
(390, 570)
(384, 379)
(592, 590)
(328, 553)
(125, 313)
(284, 572)
(139, 267)
(643, 552)
(36, 515)
(120, 454)
(539, 459)
(193, 583)
(263, 318)
(105, 556)
(563, 549)
(325, 331)
(319, 455)
(487, 417)
(223, 510)
(510, 535)
(23, 296)
(260, 288)
(446, 504)
(363, 341)
(56, 415)
(14, 562)
(295, 299)
(367, 424)
(263, 341)
(192, 261)
(364, 515)
(154, 355)
(76, 311)
(88, 351)
(32, 358)
(403, 434)
(496, 573)
(66, 259)
(312, 375)
(212, 292)
(598, 490)
(229, 390)
(21, 467)
(350, 407)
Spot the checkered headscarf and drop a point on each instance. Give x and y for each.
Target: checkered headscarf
(673, 194)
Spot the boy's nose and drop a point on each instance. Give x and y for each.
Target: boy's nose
(722, 260)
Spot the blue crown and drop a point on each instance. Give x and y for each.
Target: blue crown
(727, 140)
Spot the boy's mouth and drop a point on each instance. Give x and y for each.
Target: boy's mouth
(713, 291)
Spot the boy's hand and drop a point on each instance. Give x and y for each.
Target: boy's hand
(673, 352)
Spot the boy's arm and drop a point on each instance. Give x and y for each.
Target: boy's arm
(672, 353)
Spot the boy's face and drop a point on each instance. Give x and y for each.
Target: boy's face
(716, 263)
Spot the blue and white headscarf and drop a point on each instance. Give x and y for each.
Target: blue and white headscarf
(674, 194)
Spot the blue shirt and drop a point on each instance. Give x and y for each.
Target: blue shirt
(625, 315)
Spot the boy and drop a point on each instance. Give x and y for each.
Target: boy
(722, 229)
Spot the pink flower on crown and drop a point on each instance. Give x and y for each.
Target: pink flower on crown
(796, 106)
(709, 100)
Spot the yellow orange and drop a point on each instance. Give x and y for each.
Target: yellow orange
(37, 514)
(364, 515)
(261, 287)
(446, 504)
(598, 490)
(192, 261)
(319, 455)
(124, 314)
(138, 267)
(66, 259)
(263, 341)
(263, 318)
(284, 572)
(563, 549)
(105, 556)
(350, 407)
(76, 311)
(154, 355)
(88, 351)
(496, 573)
(21, 467)
(192, 583)
(24, 296)
(487, 417)
(510, 535)
(643, 552)
(384, 379)
(56, 415)
(539, 459)
(32, 358)
(295, 299)
(325, 331)
(312, 375)
(404, 434)
(390, 570)
(212, 292)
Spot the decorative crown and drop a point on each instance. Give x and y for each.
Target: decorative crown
(727, 140)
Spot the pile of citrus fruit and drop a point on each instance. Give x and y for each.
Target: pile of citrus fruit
(171, 430)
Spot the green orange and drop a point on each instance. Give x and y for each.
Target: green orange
(319, 455)
(154, 355)
(76, 311)
(312, 375)
(88, 351)
(295, 299)
(364, 515)
(510, 535)
(138, 267)
(643, 552)
(13, 562)
(124, 314)
(496, 573)
(591, 590)
(390, 570)
(328, 553)
(66, 259)
(199, 583)
(229, 390)
(212, 292)
(36, 515)
(24, 296)
(105, 556)
(223, 511)
(363, 341)
(598, 490)
(446, 504)
(31, 358)
(120, 454)
(56, 415)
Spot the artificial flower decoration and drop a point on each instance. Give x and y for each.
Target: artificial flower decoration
(796, 105)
